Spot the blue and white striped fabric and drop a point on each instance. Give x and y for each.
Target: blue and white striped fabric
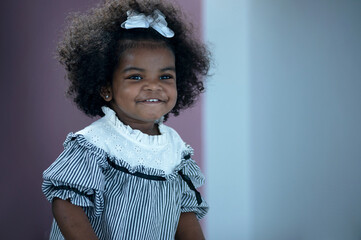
(123, 202)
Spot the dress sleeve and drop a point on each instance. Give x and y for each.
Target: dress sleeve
(76, 175)
(192, 178)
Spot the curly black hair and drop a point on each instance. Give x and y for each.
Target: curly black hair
(94, 41)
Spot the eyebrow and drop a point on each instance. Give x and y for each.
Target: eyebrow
(168, 69)
(133, 69)
(142, 70)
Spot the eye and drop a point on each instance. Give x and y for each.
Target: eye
(165, 77)
(135, 77)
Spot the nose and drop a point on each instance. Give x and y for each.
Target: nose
(153, 84)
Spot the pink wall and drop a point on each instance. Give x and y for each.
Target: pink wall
(35, 114)
(189, 122)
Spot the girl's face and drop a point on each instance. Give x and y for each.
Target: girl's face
(144, 86)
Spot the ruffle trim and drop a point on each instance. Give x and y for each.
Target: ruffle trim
(199, 211)
(135, 134)
(187, 164)
(77, 195)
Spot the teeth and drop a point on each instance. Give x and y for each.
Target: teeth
(152, 100)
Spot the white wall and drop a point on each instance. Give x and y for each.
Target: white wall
(283, 120)
(226, 120)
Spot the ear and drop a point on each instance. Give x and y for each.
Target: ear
(106, 93)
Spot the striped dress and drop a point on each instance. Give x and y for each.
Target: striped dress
(106, 168)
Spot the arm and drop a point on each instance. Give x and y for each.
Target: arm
(72, 221)
(189, 227)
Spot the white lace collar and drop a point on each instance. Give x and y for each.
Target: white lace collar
(135, 134)
(162, 152)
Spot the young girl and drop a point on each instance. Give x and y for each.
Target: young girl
(128, 176)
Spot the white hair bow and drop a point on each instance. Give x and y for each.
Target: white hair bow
(156, 21)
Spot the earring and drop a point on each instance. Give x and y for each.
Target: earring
(106, 96)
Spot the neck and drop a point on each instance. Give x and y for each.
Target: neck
(146, 128)
(153, 130)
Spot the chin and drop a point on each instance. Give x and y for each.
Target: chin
(152, 118)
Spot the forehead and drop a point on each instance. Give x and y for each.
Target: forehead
(150, 55)
(144, 44)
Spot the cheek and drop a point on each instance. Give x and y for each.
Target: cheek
(124, 93)
(175, 97)
(174, 93)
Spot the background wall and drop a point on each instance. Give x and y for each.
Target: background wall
(282, 120)
(36, 116)
(281, 116)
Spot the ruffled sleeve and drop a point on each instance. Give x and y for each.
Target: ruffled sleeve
(77, 175)
(192, 178)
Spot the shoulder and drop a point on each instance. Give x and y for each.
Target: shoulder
(96, 126)
(171, 133)
(175, 139)
(99, 134)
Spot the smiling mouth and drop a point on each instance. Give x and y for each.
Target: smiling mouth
(152, 100)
